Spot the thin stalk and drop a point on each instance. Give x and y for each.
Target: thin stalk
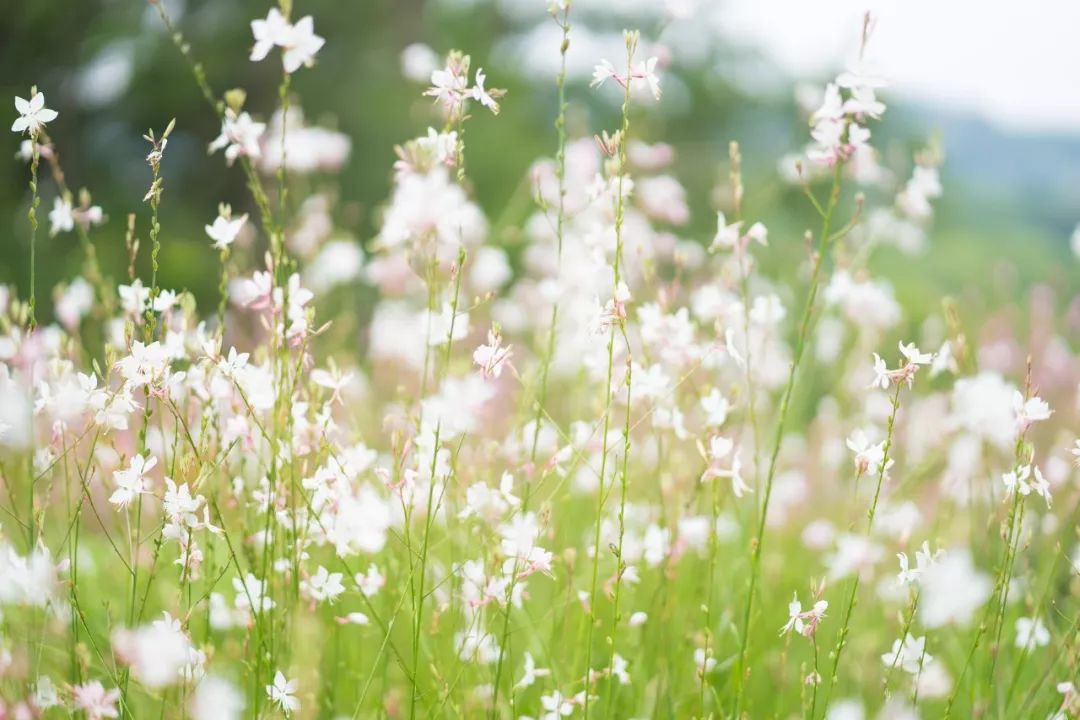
(785, 403)
(617, 277)
(908, 622)
(31, 215)
(430, 515)
(742, 257)
(1000, 588)
(841, 641)
(549, 351)
(620, 565)
(713, 545)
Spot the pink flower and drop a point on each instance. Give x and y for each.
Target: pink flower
(97, 702)
(492, 357)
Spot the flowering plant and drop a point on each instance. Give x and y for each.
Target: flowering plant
(568, 479)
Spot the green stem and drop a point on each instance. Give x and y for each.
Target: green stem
(608, 397)
(549, 351)
(841, 641)
(31, 214)
(785, 403)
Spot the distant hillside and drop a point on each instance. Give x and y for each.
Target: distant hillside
(1031, 179)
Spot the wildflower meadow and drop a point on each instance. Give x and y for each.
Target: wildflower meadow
(578, 463)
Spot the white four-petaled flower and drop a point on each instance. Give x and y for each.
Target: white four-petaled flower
(909, 655)
(225, 229)
(32, 114)
(804, 622)
(131, 482)
(298, 41)
(282, 692)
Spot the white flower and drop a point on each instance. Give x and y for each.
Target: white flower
(354, 618)
(239, 136)
(224, 230)
(493, 356)
(481, 95)
(619, 666)
(705, 663)
(909, 655)
(233, 364)
(1031, 633)
(165, 301)
(923, 559)
(45, 695)
(643, 72)
(323, 585)
(603, 72)
(531, 672)
(32, 114)
(133, 297)
(1017, 481)
(131, 482)
(447, 86)
(216, 699)
(716, 408)
(251, 594)
(913, 359)
(487, 503)
(556, 706)
(727, 236)
(767, 311)
(914, 355)
(647, 71)
(333, 380)
(447, 325)
(612, 313)
(146, 365)
(370, 582)
(157, 653)
(268, 33)
(300, 45)
(804, 622)
(298, 41)
(832, 105)
(61, 217)
(943, 360)
(90, 216)
(859, 77)
(179, 505)
(418, 61)
(868, 456)
(738, 485)
(952, 590)
(1041, 486)
(1029, 411)
(719, 449)
(882, 374)
(282, 693)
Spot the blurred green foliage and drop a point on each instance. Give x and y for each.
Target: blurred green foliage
(357, 87)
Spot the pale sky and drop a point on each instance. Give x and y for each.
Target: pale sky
(1014, 62)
